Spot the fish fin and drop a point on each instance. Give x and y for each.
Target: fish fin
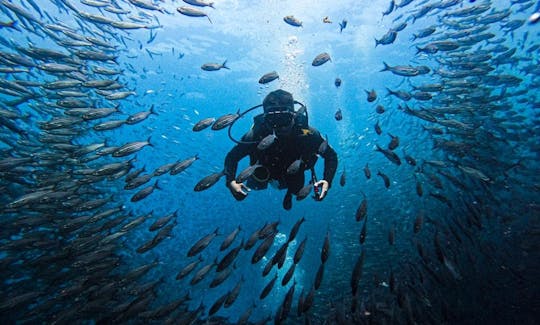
(224, 66)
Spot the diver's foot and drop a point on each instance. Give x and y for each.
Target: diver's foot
(287, 201)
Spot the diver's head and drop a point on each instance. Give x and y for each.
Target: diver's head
(279, 111)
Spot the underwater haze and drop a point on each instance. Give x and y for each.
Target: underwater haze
(116, 117)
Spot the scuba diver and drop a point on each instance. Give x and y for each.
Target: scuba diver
(281, 146)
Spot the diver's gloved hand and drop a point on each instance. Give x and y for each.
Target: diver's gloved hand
(323, 188)
(237, 190)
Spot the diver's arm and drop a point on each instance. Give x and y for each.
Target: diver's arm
(231, 160)
(330, 164)
(238, 190)
(329, 155)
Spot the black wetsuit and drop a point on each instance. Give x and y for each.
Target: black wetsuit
(303, 142)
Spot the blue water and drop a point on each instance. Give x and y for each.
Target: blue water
(496, 269)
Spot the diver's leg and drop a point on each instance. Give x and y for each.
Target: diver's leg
(294, 184)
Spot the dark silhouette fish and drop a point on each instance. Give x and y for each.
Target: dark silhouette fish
(202, 243)
(287, 277)
(363, 232)
(394, 142)
(266, 290)
(342, 25)
(263, 248)
(218, 304)
(379, 109)
(391, 235)
(188, 268)
(361, 211)
(338, 115)
(385, 179)
(159, 223)
(231, 298)
(337, 82)
(342, 178)
(300, 251)
(144, 192)
(357, 272)
(267, 141)
(295, 229)
(319, 277)
(229, 239)
(321, 59)
(378, 129)
(208, 181)
(371, 95)
(390, 8)
(418, 221)
(269, 77)
(388, 38)
(367, 172)
(389, 154)
(304, 192)
(325, 252)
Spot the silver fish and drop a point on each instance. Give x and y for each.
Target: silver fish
(246, 173)
(199, 3)
(267, 141)
(191, 12)
(203, 124)
(183, 165)
(224, 121)
(130, 148)
(140, 116)
(294, 167)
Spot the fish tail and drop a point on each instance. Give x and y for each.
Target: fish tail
(386, 67)
(152, 111)
(211, 5)
(148, 140)
(224, 66)
(209, 20)
(418, 49)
